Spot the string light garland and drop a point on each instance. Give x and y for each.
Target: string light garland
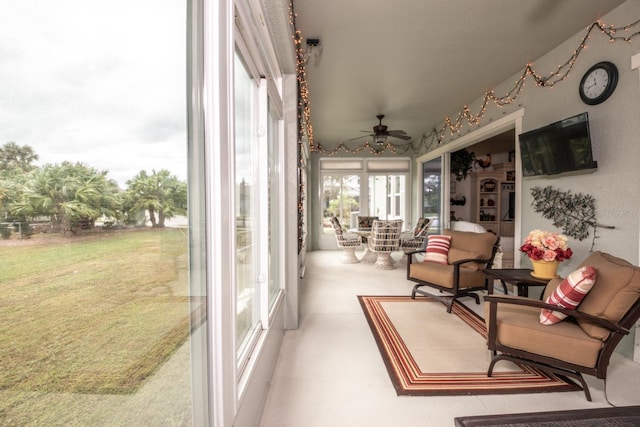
(304, 123)
(304, 105)
(465, 116)
(455, 126)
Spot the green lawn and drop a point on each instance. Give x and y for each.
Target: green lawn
(92, 315)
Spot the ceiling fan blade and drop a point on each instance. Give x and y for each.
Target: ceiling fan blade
(359, 137)
(405, 137)
(396, 132)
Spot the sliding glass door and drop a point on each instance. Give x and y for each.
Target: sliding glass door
(432, 197)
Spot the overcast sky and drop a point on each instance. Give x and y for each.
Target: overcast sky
(99, 82)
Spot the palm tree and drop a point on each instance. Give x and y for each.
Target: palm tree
(161, 194)
(69, 193)
(12, 157)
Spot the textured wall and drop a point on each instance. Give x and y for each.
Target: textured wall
(615, 130)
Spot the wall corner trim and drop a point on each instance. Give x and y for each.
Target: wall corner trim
(635, 61)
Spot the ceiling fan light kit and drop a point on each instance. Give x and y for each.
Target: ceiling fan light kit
(380, 139)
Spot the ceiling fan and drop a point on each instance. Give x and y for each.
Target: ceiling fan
(380, 133)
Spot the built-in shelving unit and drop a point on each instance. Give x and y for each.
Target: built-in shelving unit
(492, 201)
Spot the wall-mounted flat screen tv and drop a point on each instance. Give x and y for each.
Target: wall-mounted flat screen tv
(560, 147)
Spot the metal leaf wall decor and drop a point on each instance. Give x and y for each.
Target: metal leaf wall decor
(574, 213)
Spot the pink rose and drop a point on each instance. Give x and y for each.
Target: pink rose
(549, 255)
(550, 242)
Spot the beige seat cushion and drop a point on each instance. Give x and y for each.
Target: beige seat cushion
(456, 254)
(469, 245)
(616, 289)
(519, 327)
(474, 242)
(442, 275)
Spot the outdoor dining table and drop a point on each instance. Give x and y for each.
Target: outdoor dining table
(369, 256)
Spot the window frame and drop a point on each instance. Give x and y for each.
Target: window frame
(225, 25)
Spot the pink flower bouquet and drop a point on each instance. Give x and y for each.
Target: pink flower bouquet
(546, 246)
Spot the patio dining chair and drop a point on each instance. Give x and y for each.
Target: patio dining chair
(416, 239)
(364, 231)
(366, 222)
(348, 242)
(385, 239)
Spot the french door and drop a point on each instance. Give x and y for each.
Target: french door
(340, 198)
(362, 187)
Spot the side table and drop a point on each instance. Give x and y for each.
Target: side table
(519, 277)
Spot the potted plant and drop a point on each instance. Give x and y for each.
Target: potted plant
(462, 163)
(546, 250)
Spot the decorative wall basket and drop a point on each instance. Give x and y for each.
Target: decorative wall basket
(545, 269)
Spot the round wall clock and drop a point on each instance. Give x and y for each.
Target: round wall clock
(598, 83)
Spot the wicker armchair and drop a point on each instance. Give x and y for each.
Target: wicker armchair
(347, 241)
(385, 239)
(366, 222)
(416, 239)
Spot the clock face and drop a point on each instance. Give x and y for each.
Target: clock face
(598, 83)
(595, 83)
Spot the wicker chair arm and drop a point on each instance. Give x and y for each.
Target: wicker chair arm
(614, 327)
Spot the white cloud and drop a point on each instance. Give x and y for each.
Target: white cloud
(102, 83)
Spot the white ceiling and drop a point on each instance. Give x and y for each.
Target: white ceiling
(418, 61)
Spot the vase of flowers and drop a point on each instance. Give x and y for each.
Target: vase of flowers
(546, 250)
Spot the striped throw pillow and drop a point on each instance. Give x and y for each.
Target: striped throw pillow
(569, 293)
(438, 249)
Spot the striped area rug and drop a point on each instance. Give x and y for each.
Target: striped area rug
(430, 352)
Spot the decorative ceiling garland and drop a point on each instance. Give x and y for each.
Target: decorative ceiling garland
(464, 116)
